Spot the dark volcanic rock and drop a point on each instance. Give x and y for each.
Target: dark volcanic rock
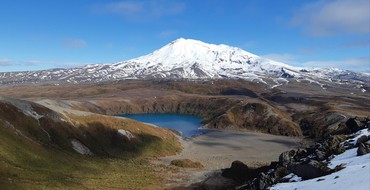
(286, 157)
(362, 139)
(332, 144)
(241, 172)
(320, 155)
(322, 125)
(263, 181)
(310, 170)
(363, 149)
(238, 171)
(353, 124)
(307, 163)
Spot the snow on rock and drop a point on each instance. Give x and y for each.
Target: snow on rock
(358, 134)
(187, 58)
(292, 178)
(24, 106)
(126, 134)
(355, 175)
(80, 148)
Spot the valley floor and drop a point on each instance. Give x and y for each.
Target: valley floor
(218, 149)
(87, 109)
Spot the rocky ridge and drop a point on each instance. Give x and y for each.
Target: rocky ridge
(300, 164)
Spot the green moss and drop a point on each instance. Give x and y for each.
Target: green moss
(186, 163)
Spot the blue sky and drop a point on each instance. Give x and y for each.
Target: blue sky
(42, 34)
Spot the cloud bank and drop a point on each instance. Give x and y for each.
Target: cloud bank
(142, 10)
(355, 64)
(73, 43)
(338, 17)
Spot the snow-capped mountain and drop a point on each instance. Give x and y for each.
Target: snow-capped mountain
(189, 59)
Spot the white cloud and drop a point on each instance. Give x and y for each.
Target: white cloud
(68, 64)
(7, 65)
(355, 64)
(73, 43)
(5, 62)
(359, 64)
(142, 10)
(338, 17)
(126, 8)
(168, 34)
(249, 44)
(32, 63)
(109, 45)
(356, 43)
(53, 64)
(284, 57)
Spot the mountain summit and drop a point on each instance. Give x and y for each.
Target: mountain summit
(190, 59)
(187, 58)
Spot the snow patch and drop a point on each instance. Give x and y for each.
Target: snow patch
(355, 175)
(24, 106)
(125, 133)
(358, 134)
(80, 148)
(292, 178)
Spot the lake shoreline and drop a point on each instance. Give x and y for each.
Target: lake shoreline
(184, 124)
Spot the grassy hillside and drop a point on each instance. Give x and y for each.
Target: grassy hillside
(37, 154)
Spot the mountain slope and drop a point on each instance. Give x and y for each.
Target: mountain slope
(192, 59)
(44, 149)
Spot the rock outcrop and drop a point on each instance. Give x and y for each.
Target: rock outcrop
(363, 148)
(324, 124)
(241, 172)
(307, 163)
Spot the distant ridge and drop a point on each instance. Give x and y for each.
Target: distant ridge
(195, 60)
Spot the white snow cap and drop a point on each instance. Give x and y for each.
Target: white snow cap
(202, 60)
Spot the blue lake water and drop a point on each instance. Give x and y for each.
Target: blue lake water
(187, 125)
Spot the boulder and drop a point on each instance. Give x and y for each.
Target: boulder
(238, 171)
(353, 125)
(263, 181)
(286, 158)
(281, 172)
(333, 145)
(241, 172)
(310, 170)
(214, 182)
(363, 149)
(362, 139)
(320, 155)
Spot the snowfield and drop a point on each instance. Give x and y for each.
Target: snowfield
(80, 148)
(355, 175)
